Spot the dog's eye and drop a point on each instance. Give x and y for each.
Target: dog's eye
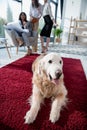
(50, 61)
(60, 61)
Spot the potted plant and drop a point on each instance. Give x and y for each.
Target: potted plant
(57, 32)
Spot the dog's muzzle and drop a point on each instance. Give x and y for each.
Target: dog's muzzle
(58, 74)
(57, 77)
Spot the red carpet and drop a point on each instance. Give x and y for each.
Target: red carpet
(15, 89)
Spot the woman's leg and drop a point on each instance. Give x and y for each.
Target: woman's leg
(35, 28)
(42, 44)
(42, 41)
(25, 37)
(27, 42)
(47, 42)
(44, 49)
(29, 51)
(19, 38)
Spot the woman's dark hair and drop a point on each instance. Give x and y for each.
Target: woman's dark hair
(36, 4)
(24, 15)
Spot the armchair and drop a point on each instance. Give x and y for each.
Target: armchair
(10, 35)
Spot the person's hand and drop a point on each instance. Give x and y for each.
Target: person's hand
(26, 30)
(31, 18)
(39, 12)
(39, 16)
(24, 23)
(55, 25)
(38, 9)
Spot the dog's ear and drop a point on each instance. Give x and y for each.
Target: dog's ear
(33, 66)
(41, 63)
(40, 66)
(36, 62)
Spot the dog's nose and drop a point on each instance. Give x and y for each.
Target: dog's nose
(58, 74)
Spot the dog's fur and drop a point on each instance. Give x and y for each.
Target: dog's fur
(47, 83)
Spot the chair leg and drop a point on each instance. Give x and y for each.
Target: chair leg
(24, 47)
(7, 50)
(17, 50)
(34, 48)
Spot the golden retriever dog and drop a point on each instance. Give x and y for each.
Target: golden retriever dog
(47, 83)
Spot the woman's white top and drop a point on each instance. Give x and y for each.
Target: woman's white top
(47, 10)
(36, 12)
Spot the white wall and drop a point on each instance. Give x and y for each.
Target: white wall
(72, 8)
(26, 7)
(83, 9)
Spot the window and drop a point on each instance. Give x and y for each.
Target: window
(55, 0)
(54, 4)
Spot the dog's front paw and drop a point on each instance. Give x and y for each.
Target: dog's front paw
(29, 117)
(54, 117)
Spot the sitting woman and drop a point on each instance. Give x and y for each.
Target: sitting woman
(19, 27)
(22, 32)
(27, 32)
(15, 29)
(22, 22)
